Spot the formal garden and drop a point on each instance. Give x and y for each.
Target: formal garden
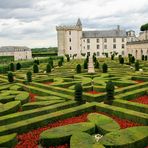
(55, 103)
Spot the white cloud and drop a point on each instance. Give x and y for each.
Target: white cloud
(32, 23)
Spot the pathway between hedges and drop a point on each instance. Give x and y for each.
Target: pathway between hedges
(91, 65)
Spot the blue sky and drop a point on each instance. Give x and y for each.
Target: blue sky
(32, 22)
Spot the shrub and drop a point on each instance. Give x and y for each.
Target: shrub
(104, 68)
(97, 65)
(78, 68)
(50, 62)
(78, 92)
(12, 67)
(85, 64)
(137, 66)
(60, 63)
(18, 66)
(48, 68)
(122, 60)
(110, 92)
(35, 68)
(112, 57)
(29, 76)
(142, 57)
(62, 59)
(146, 58)
(36, 62)
(10, 77)
(68, 58)
(133, 59)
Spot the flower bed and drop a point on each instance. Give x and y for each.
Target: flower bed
(48, 83)
(30, 139)
(94, 92)
(32, 97)
(139, 81)
(142, 99)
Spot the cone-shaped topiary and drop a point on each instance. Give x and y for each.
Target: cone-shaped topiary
(85, 64)
(104, 68)
(137, 66)
(109, 92)
(78, 92)
(78, 68)
(12, 67)
(18, 66)
(48, 68)
(29, 76)
(35, 68)
(10, 77)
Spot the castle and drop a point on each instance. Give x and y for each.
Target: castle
(73, 41)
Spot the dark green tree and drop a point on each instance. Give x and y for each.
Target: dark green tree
(48, 68)
(12, 67)
(137, 66)
(112, 57)
(122, 60)
(110, 87)
(78, 68)
(78, 93)
(29, 76)
(35, 68)
(36, 62)
(104, 68)
(10, 77)
(97, 65)
(144, 27)
(85, 64)
(18, 66)
(133, 59)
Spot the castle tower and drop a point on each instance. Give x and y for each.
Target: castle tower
(69, 39)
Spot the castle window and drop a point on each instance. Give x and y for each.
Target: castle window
(88, 40)
(122, 45)
(105, 46)
(69, 39)
(122, 39)
(97, 40)
(88, 47)
(69, 32)
(114, 40)
(98, 54)
(114, 46)
(98, 46)
(105, 40)
(70, 48)
(83, 40)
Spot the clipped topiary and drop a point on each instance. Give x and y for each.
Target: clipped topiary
(85, 64)
(18, 66)
(97, 65)
(29, 76)
(122, 60)
(35, 68)
(133, 59)
(104, 68)
(50, 62)
(12, 67)
(109, 92)
(112, 57)
(78, 68)
(10, 77)
(36, 62)
(60, 63)
(137, 66)
(48, 68)
(78, 92)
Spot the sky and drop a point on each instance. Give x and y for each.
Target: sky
(33, 23)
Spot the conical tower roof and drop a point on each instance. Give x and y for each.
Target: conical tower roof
(79, 23)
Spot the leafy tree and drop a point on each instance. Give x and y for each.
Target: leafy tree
(104, 68)
(29, 76)
(18, 66)
(78, 93)
(110, 92)
(10, 77)
(97, 65)
(85, 64)
(35, 68)
(48, 68)
(137, 66)
(122, 60)
(144, 27)
(78, 68)
(12, 67)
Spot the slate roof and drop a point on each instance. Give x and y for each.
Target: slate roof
(14, 48)
(104, 34)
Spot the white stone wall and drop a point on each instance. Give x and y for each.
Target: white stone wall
(22, 55)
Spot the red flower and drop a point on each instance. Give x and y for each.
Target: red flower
(142, 99)
(32, 97)
(93, 92)
(47, 83)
